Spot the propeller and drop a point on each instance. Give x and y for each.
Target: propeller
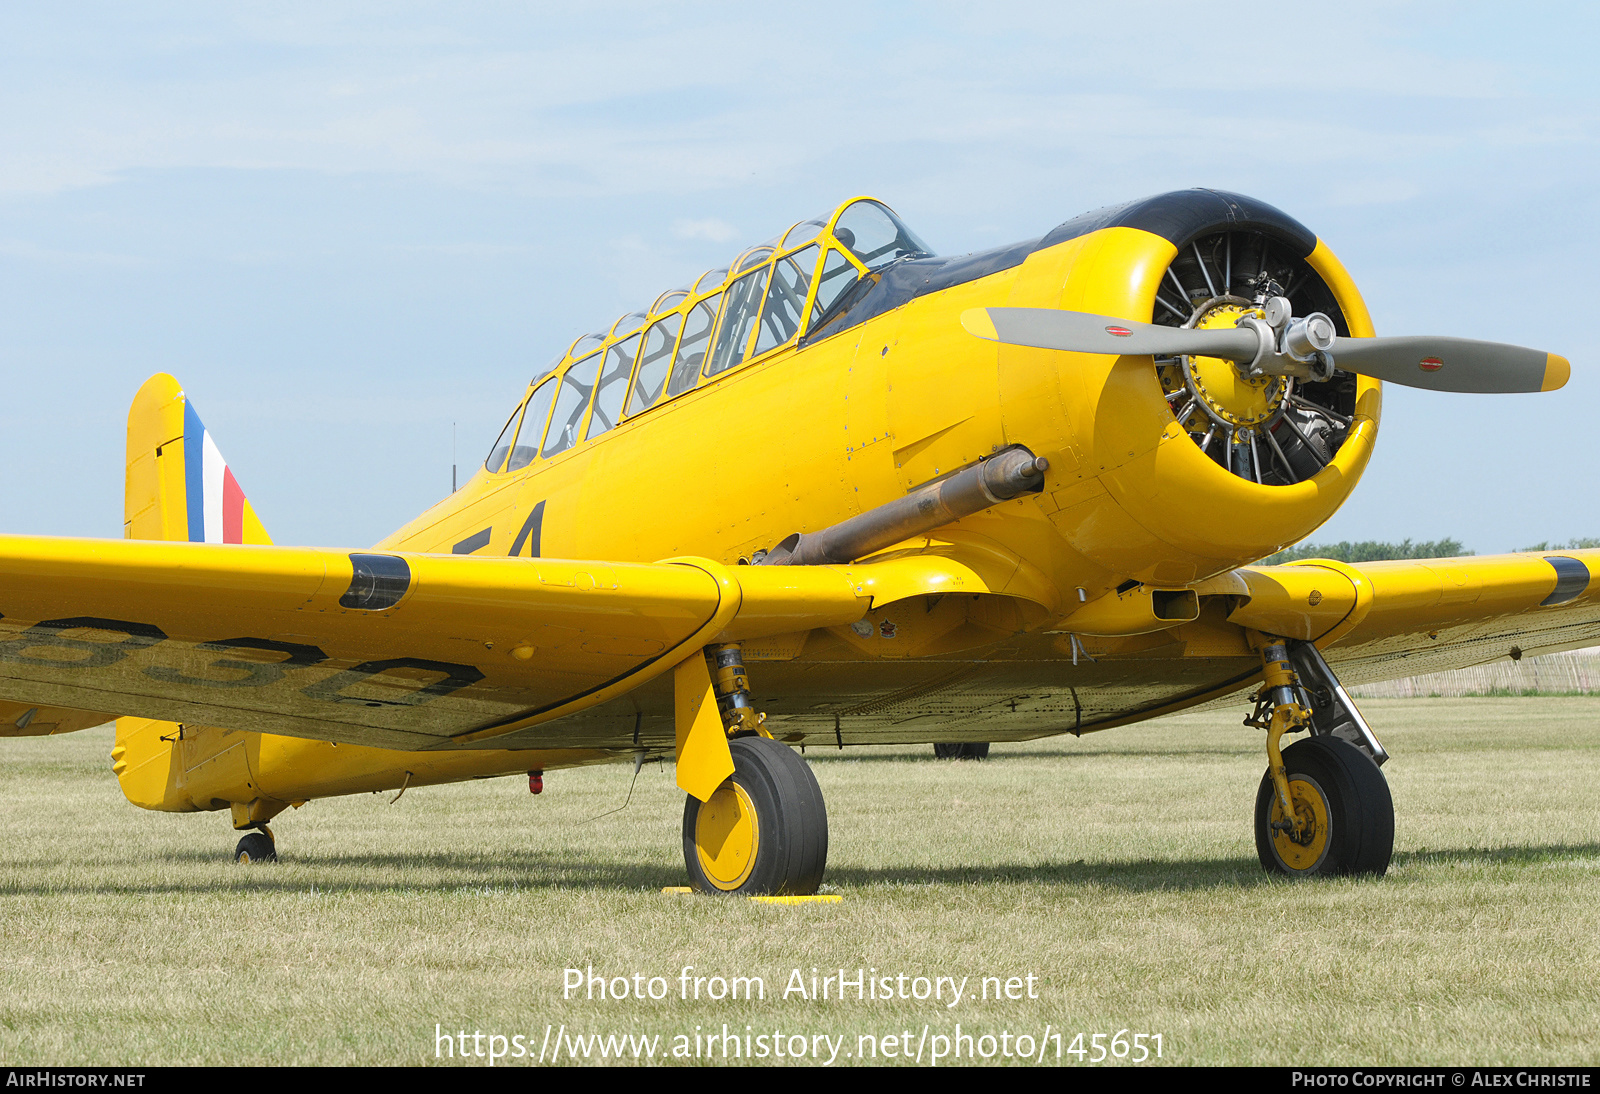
(1452, 364)
(1277, 343)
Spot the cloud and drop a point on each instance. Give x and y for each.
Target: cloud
(32, 252)
(552, 107)
(710, 229)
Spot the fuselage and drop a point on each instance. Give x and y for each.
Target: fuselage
(828, 424)
(639, 445)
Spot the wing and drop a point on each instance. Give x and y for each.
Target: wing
(1372, 621)
(32, 720)
(1381, 620)
(392, 650)
(417, 652)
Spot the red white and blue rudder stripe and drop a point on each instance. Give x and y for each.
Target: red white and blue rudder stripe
(217, 508)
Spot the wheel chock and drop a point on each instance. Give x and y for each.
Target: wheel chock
(814, 898)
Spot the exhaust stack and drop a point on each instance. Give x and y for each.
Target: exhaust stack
(1001, 477)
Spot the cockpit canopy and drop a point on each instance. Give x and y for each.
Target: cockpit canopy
(793, 288)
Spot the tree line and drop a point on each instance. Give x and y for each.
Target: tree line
(1371, 550)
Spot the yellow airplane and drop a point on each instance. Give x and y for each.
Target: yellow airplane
(843, 492)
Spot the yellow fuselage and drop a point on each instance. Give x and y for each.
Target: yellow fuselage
(806, 436)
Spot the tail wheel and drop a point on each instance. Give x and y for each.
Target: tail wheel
(256, 847)
(765, 829)
(1341, 792)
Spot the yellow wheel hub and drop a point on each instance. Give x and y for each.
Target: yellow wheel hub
(727, 836)
(1311, 807)
(1232, 397)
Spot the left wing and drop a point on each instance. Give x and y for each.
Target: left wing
(1380, 620)
(1372, 621)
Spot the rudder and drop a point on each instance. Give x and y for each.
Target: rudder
(178, 486)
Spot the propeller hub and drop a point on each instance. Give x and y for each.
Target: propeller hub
(1223, 391)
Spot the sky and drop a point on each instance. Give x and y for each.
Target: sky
(354, 231)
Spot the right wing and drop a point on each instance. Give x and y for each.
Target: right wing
(388, 649)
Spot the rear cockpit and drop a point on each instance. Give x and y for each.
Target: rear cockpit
(794, 288)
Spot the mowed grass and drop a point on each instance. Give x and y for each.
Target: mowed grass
(1119, 870)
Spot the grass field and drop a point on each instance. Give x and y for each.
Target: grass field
(1118, 870)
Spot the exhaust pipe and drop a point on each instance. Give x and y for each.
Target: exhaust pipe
(1001, 477)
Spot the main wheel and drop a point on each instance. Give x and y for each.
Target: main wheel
(765, 829)
(967, 750)
(1342, 793)
(256, 847)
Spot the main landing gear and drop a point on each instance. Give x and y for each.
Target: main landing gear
(763, 830)
(1323, 808)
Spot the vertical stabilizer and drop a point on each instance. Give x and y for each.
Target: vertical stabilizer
(178, 488)
(178, 485)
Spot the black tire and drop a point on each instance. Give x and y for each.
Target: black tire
(256, 847)
(1359, 807)
(790, 823)
(969, 750)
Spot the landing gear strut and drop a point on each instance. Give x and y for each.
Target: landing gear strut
(1323, 808)
(763, 829)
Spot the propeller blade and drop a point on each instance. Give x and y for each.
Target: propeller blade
(1430, 363)
(1452, 364)
(1080, 332)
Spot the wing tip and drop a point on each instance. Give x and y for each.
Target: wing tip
(978, 323)
(1557, 371)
